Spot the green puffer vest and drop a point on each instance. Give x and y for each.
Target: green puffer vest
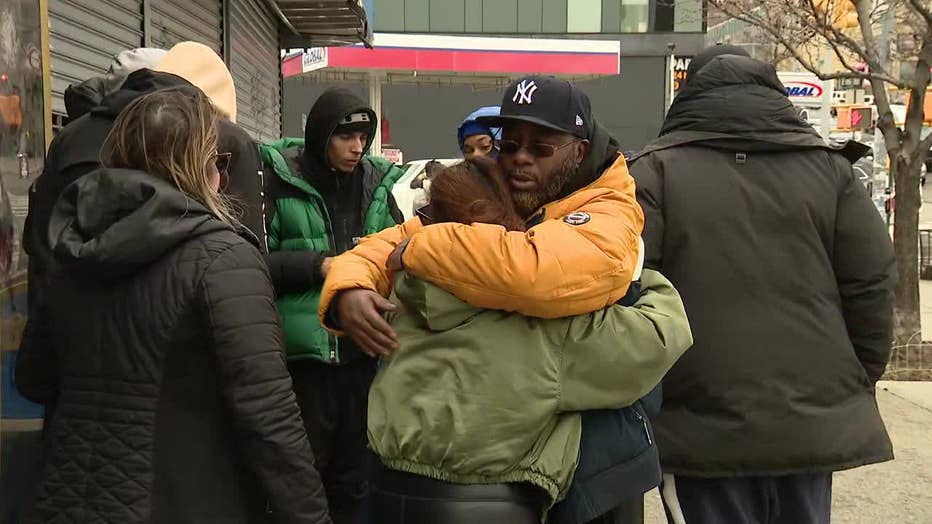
(300, 221)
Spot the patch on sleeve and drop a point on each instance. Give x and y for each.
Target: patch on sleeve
(577, 219)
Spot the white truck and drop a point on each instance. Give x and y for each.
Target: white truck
(813, 97)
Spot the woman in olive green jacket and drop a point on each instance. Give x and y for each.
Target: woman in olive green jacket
(490, 400)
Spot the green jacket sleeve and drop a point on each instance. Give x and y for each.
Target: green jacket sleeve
(617, 355)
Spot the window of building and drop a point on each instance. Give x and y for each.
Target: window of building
(635, 15)
(687, 16)
(584, 16)
(683, 16)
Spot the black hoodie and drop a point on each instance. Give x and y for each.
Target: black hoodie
(347, 195)
(328, 111)
(160, 346)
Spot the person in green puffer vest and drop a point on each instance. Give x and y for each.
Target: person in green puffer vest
(324, 193)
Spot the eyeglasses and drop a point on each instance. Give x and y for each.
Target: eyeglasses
(538, 150)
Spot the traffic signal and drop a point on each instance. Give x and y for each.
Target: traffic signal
(862, 118)
(854, 117)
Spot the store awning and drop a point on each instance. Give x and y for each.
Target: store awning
(323, 23)
(450, 60)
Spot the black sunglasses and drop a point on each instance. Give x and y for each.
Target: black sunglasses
(538, 150)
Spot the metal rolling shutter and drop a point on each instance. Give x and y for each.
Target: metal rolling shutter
(254, 61)
(174, 21)
(85, 35)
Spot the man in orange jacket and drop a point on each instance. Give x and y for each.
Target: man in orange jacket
(577, 256)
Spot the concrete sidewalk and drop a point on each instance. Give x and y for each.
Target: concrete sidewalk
(897, 492)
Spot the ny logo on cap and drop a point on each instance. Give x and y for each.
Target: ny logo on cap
(524, 93)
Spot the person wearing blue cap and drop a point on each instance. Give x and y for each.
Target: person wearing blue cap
(476, 139)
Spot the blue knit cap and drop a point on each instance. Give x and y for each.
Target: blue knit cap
(470, 127)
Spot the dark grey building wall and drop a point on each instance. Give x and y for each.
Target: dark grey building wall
(423, 119)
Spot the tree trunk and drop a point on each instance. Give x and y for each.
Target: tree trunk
(907, 327)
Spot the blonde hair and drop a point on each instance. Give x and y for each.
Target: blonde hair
(170, 134)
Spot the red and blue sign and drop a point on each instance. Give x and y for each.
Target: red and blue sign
(797, 89)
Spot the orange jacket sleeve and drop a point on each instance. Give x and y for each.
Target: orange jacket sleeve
(555, 269)
(364, 267)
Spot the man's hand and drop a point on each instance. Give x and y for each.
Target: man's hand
(360, 314)
(325, 266)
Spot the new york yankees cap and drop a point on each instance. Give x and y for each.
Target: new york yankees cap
(545, 101)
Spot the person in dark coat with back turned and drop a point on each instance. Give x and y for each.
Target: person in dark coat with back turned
(165, 359)
(787, 273)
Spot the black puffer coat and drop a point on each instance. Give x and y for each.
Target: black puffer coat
(787, 273)
(167, 367)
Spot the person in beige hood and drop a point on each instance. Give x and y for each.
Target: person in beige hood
(202, 67)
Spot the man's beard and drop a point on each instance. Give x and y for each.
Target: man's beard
(527, 202)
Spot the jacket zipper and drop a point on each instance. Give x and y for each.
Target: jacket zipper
(333, 349)
(643, 421)
(332, 340)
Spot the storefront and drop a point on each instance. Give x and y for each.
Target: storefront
(443, 78)
(47, 45)
(25, 131)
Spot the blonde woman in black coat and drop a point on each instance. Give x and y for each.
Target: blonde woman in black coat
(159, 344)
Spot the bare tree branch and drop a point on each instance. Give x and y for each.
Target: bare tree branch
(922, 9)
(876, 71)
(868, 52)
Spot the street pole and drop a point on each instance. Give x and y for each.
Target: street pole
(670, 62)
(375, 102)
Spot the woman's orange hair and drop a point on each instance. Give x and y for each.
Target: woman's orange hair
(473, 191)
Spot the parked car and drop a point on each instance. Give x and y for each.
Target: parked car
(411, 196)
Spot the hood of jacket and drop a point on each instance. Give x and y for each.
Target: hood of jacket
(603, 152)
(204, 69)
(471, 126)
(433, 307)
(330, 109)
(137, 84)
(112, 223)
(736, 102)
(81, 98)
(184, 65)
